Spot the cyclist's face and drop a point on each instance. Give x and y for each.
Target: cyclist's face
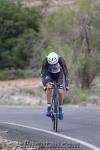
(53, 65)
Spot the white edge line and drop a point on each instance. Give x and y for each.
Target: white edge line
(56, 134)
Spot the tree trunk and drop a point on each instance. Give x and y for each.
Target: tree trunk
(85, 82)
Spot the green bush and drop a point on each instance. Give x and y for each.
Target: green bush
(2, 74)
(19, 28)
(79, 96)
(18, 73)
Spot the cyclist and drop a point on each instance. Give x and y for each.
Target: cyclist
(54, 68)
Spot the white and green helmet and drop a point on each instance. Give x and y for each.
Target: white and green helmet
(52, 58)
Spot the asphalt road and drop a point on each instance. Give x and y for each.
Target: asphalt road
(80, 129)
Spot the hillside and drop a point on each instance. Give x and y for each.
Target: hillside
(48, 5)
(37, 3)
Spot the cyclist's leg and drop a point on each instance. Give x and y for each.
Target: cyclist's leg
(61, 114)
(49, 92)
(47, 81)
(60, 93)
(49, 95)
(60, 83)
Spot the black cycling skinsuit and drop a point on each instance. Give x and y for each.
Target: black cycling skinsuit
(56, 72)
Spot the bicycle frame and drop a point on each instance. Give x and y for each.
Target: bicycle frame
(55, 92)
(55, 107)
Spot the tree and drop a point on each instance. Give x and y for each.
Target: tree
(19, 28)
(55, 29)
(86, 42)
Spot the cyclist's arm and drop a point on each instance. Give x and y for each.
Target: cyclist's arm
(43, 70)
(65, 70)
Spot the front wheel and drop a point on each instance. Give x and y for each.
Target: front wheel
(55, 116)
(56, 122)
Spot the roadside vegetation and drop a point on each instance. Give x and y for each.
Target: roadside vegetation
(22, 96)
(27, 36)
(83, 97)
(19, 30)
